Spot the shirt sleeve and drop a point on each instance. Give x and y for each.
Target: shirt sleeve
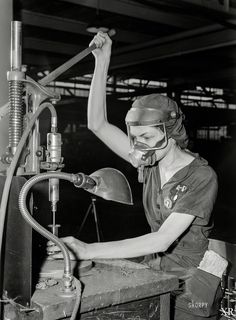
(200, 196)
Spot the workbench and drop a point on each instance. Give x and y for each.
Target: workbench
(116, 289)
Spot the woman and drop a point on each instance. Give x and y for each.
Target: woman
(179, 188)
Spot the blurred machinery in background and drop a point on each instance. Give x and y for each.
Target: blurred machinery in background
(228, 303)
(24, 159)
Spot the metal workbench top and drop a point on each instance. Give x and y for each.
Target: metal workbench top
(106, 284)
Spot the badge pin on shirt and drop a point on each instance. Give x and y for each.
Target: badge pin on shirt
(168, 203)
(174, 195)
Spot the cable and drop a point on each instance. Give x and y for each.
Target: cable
(77, 301)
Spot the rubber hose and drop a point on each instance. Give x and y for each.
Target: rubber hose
(34, 224)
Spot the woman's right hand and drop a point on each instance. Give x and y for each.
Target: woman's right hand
(77, 249)
(103, 43)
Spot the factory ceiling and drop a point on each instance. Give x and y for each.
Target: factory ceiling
(185, 43)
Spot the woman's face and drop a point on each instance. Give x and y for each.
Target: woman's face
(148, 135)
(148, 144)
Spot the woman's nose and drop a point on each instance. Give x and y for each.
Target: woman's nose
(140, 140)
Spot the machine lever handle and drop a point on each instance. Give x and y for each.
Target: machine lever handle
(68, 64)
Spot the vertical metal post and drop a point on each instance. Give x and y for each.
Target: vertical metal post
(15, 88)
(16, 46)
(6, 12)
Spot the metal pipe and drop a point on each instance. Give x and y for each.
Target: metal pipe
(15, 88)
(16, 46)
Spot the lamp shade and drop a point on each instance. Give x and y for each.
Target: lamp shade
(111, 184)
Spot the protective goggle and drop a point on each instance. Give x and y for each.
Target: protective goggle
(141, 146)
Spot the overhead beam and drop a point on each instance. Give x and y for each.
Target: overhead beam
(160, 50)
(223, 76)
(214, 10)
(165, 50)
(78, 27)
(214, 5)
(140, 11)
(133, 49)
(214, 40)
(171, 38)
(51, 46)
(41, 20)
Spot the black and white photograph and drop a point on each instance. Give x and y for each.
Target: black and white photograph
(118, 159)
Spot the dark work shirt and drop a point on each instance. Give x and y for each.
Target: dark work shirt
(191, 190)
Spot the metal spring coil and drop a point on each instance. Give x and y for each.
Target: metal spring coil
(15, 113)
